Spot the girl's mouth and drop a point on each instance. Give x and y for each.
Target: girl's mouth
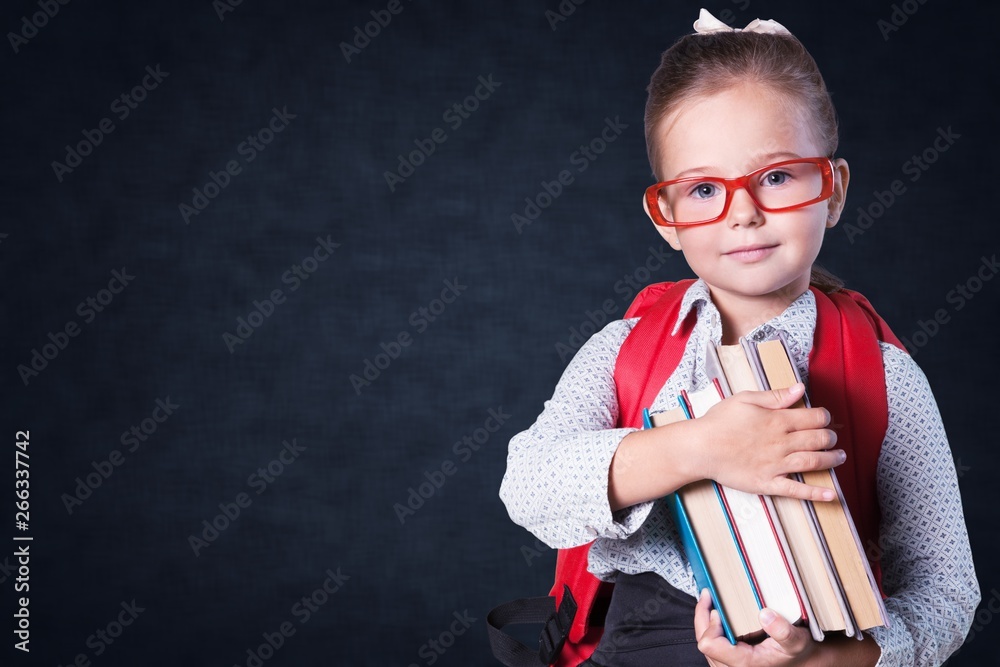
(751, 253)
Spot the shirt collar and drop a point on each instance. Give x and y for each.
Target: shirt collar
(797, 321)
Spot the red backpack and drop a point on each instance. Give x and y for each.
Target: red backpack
(846, 377)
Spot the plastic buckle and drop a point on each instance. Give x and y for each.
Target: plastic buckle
(552, 640)
(556, 628)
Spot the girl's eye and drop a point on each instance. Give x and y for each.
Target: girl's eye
(704, 190)
(774, 178)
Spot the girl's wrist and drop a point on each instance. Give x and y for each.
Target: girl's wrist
(689, 460)
(653, 463)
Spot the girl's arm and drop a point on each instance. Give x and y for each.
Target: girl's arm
(572, 476)
(927, 567)
(556, 483)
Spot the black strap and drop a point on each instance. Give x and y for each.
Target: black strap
(557, 622)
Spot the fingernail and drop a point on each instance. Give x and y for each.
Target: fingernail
(842, 456)
(829, 495)
(767, 616)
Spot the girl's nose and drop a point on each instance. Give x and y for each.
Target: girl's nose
(743, 210)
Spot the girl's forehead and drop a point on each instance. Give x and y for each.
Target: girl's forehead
(732, 128)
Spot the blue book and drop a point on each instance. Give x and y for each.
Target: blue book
(690, 545)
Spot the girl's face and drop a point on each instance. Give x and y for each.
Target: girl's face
(749, 253)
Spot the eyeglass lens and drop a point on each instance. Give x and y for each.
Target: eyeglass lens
(705, 199)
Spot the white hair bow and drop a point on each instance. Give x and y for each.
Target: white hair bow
(707, 23)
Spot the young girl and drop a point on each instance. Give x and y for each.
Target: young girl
(724, 104)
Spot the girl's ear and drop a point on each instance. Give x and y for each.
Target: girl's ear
(669, 234)
(835, 205)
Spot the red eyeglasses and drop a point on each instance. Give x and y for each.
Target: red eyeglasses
(782, 186)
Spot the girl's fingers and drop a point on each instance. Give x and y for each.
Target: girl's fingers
(812, 439)
(786, 486)
(807, 418)
(715, 647)
(805, 461)
(793, 641)
(775, 399)
(701, 614)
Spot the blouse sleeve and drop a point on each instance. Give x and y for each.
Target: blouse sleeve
(556, 483)
(927, 568)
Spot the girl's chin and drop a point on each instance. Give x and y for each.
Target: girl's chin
(751, 289)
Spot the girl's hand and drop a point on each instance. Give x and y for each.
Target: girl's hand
(786, 644)
(751, 442)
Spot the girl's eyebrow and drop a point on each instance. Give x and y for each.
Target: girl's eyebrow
(770, 158)
(695, 170)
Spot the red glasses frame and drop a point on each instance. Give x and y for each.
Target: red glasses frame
(733, 184)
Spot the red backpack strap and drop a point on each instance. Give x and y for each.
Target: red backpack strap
(650, 353)
(646, 297)
(882, 330)
(847, 377)
(587, 590)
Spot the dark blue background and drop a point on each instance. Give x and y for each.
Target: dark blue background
(494, 347)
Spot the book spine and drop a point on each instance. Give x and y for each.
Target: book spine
(734, 531)
(805, 607)
(697, 560)
(883, 613)
(689, 543)
(828, 565)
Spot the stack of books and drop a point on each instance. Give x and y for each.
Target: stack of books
(801, 559)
